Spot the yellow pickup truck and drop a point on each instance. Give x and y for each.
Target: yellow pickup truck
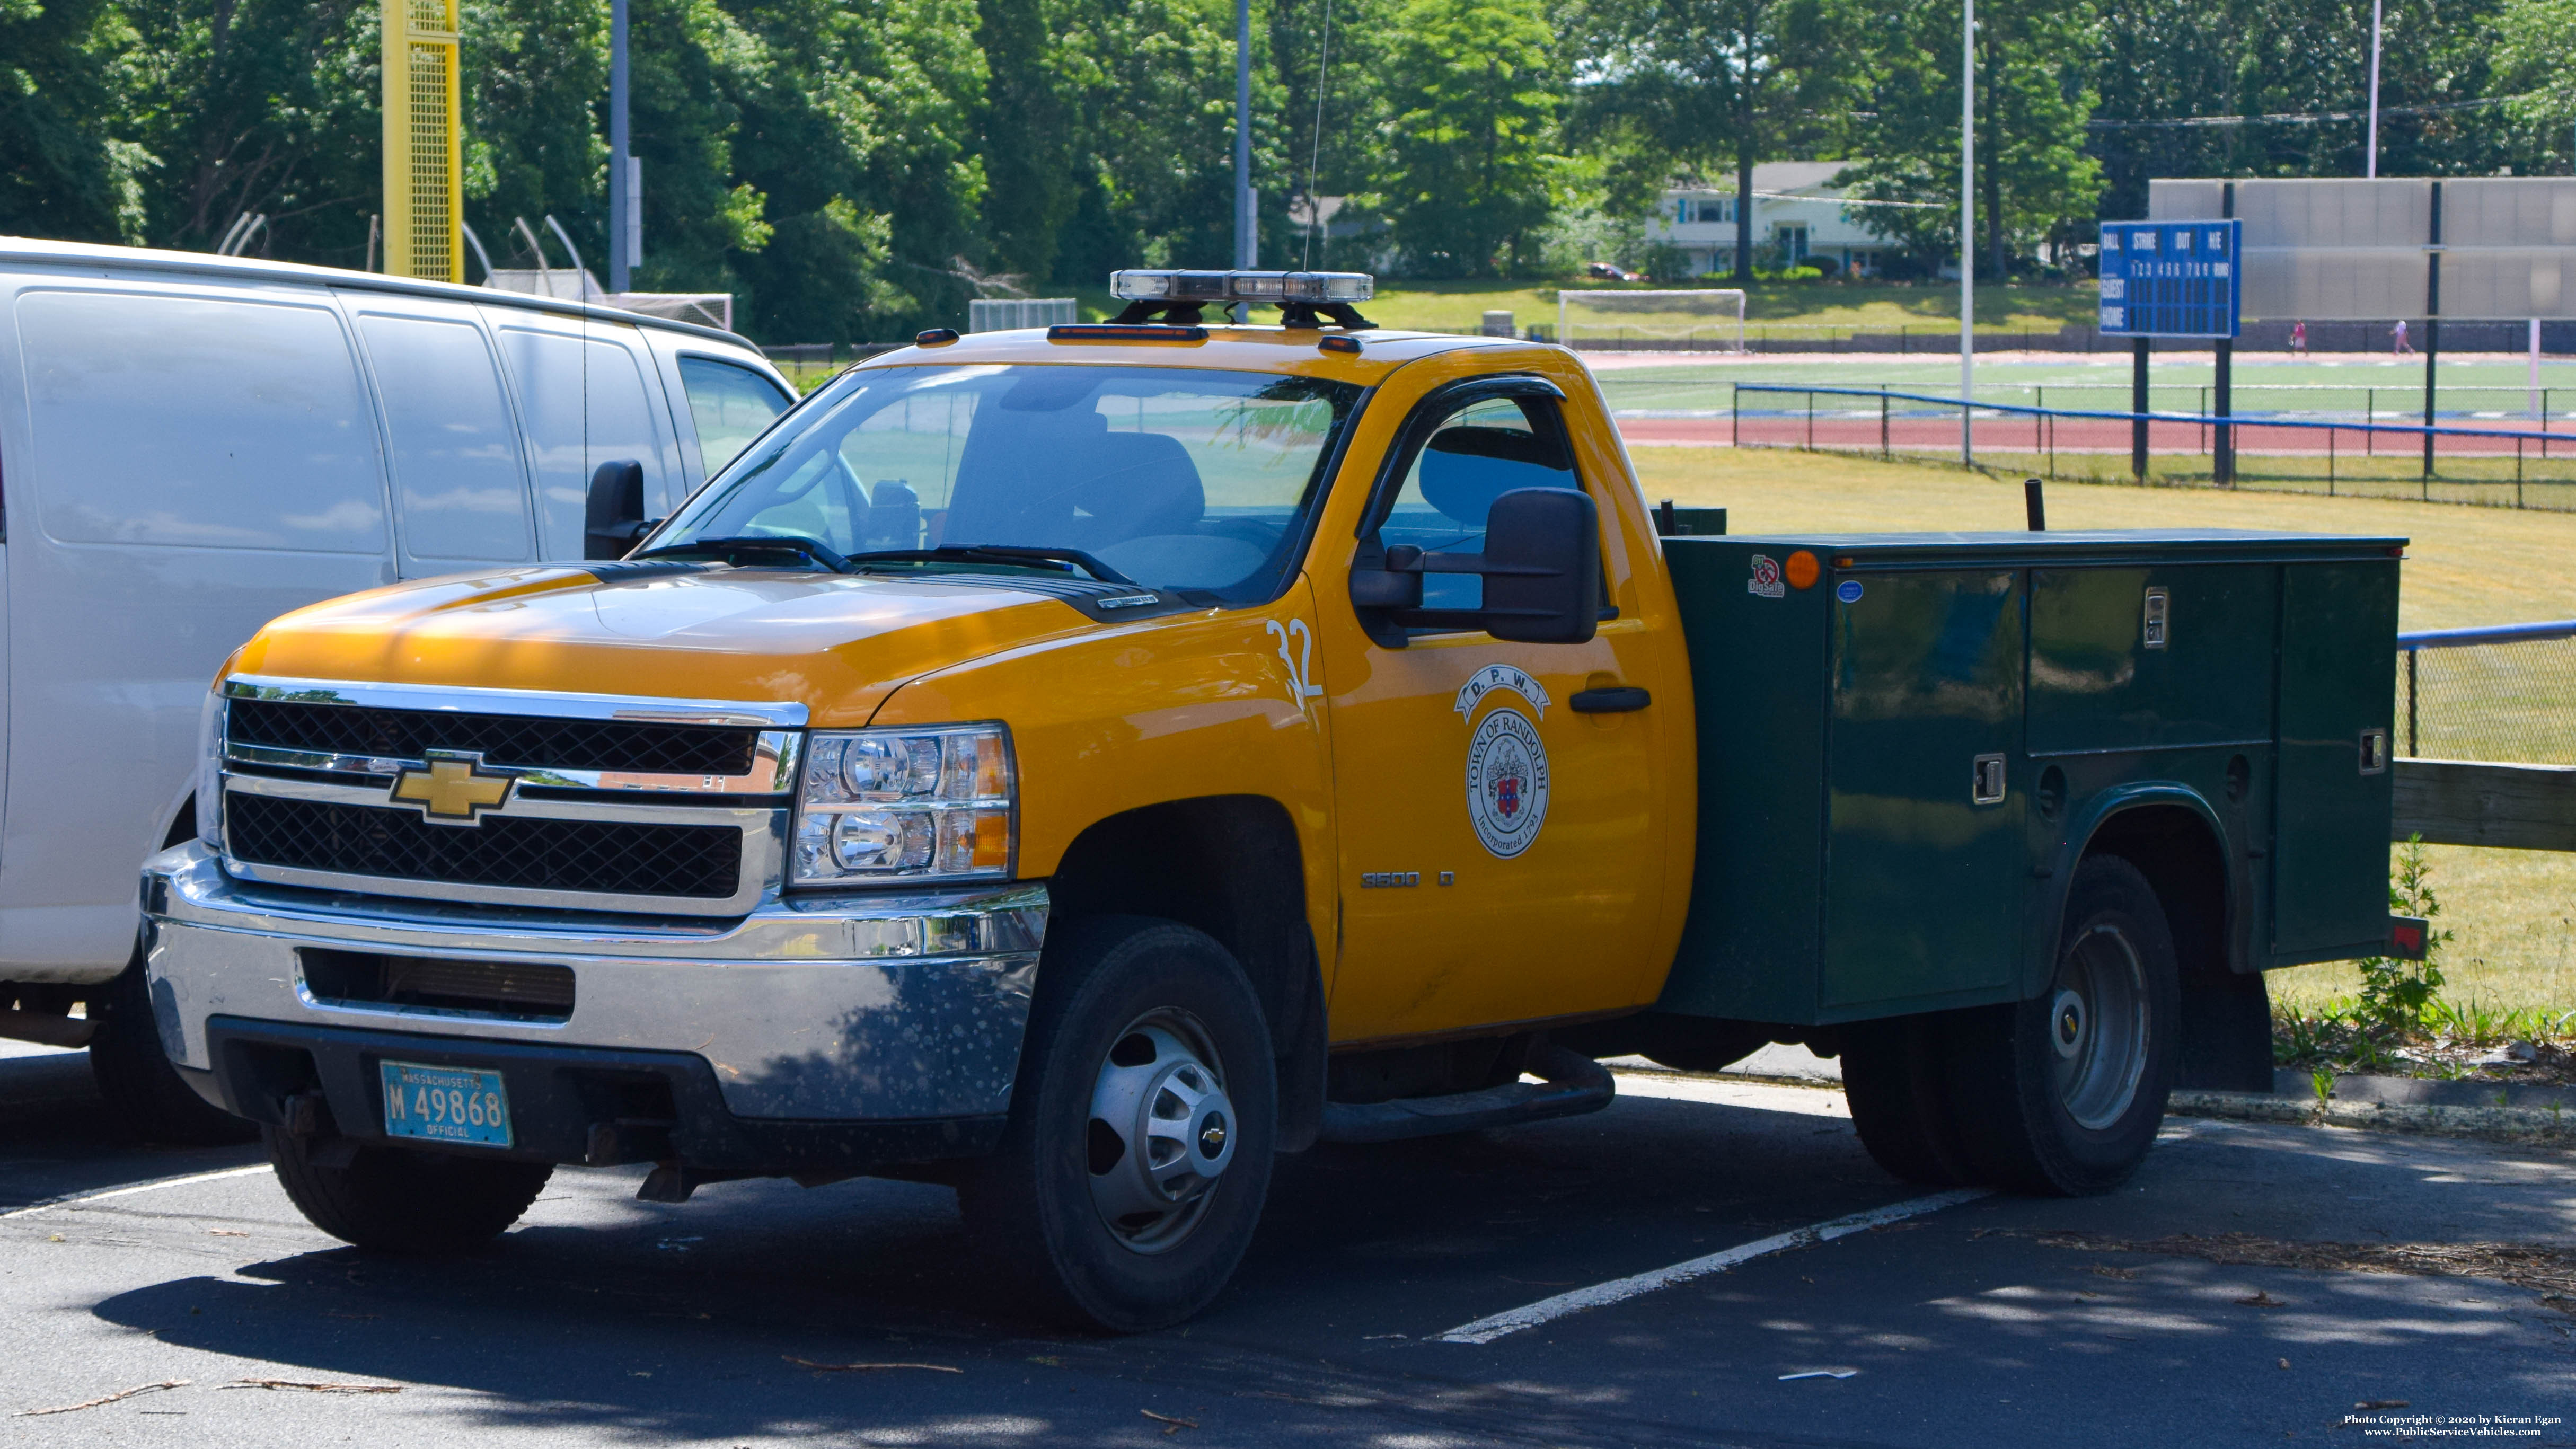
(1079, 764)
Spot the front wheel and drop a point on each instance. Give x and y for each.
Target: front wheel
(2069, 1087)
(133, 1071)
(392, 1200)
(1132, 1174)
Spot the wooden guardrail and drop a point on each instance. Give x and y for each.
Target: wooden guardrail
(2466, 802)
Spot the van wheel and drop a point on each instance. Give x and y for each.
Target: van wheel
(393, 1201)
(1895, 1079)
(2071, 1084)
(135, 1076)
(1132, 1173)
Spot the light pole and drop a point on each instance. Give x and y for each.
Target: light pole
(1967, 230)
(1247, 242)
(621, 202)
(2370, 165)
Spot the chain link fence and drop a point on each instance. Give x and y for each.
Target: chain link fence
(2504, 695)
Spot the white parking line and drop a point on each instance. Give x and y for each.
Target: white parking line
(1486, 1330)
(46, 1207)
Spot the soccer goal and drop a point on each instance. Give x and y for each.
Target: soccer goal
(1706, 320)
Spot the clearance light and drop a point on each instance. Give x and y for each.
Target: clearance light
(1304, 299)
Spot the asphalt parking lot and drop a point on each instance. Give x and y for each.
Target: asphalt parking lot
(855, 1313)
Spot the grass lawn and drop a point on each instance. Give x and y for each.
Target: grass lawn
(2514, 910)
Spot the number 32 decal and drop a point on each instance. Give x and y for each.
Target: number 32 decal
(1300, 685)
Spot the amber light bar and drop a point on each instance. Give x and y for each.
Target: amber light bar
(1187, 286)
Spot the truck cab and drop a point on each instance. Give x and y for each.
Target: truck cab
(1077, 765)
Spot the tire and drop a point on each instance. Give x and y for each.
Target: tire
(135, 1076)
(1144, 1033)
(2061, 1095)
(389, 1200)
(1896, 1081)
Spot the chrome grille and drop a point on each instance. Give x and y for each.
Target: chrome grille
(520, 741)
(591, 857)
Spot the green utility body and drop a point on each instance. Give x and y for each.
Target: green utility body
(1901, 763)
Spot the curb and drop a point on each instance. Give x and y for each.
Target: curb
(2540, 1125)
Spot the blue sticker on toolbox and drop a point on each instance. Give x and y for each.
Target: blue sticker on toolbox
(446, 1104)
(1848, 591)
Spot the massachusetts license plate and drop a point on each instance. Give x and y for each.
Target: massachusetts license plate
(446, 1104)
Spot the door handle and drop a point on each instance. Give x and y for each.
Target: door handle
(1618, 699)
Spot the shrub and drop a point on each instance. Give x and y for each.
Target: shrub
(2396, 995)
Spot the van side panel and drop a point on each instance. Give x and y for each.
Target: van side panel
(583, 398)
(461, 496)
(201, 459)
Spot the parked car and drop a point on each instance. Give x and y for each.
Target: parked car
(191, 445)
(1610, 272)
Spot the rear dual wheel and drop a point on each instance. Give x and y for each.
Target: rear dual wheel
(2058, 1095)
(1132, 1173)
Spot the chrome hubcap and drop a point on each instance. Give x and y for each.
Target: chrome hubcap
(2097, 1023)
(1161, 1131)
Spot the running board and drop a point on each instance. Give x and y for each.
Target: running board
(1574, 1084)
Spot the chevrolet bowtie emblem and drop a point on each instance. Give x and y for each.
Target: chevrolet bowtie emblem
(454, 788)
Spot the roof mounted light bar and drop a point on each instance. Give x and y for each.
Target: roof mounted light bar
(1179, 296)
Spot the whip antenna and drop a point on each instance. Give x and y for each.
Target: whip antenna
(1315, 157)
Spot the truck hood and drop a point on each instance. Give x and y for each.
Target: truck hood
(837, 644)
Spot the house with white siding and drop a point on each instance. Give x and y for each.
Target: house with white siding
(1797, 217)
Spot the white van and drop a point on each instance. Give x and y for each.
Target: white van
(192, 445)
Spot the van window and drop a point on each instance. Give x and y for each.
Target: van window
(732, 405)
(579, 417)
(196, 421)
(457, 485)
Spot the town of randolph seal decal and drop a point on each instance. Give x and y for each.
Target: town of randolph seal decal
(1506, 782)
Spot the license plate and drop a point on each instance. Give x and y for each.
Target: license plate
(446, 1104)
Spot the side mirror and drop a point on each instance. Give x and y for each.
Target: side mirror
(1542, 567)
(613, 515)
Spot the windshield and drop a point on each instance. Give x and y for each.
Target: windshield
(1176, 478)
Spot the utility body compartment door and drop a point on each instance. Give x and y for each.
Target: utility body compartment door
(2338, 687)
(1924, 851)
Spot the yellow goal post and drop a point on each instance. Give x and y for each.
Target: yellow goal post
(424, 142)
(1619, 319)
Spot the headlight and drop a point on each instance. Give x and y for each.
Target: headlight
(897, 804)
(210, 769)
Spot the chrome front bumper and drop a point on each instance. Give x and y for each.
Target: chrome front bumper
(880, 1007)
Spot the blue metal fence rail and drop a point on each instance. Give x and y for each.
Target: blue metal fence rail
(2205, 420)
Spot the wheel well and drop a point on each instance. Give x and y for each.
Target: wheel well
(183, 826)
(2226, 1026)
(2178, 853)
(1228, 865)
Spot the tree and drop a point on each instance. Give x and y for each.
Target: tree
(2034, 180)
(63, 170)
(267, 106)
(1156, 135)
(1680, 87)
(2533, 39)
(2280, 88)
(1469, 142)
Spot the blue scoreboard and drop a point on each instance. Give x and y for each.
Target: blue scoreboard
(2171, 278)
